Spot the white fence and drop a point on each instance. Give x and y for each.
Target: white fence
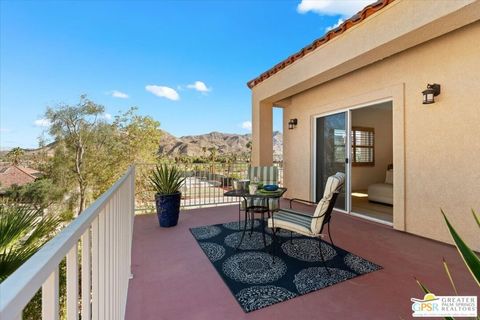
(104, 234)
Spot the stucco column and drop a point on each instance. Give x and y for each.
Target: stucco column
(262, 130)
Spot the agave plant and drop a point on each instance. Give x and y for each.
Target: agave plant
(471, 260)
(23, 231)
(166, 179)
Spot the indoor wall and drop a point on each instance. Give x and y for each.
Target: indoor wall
(378, 117)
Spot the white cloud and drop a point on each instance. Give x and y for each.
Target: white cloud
(42, 123)
(164, 92)
(336, 25)
(200, 86)
(247, 125)
(4, 130)
(106, 116)
(119, 94)
(344, 8)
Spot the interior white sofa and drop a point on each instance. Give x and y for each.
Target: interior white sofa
(382, 192)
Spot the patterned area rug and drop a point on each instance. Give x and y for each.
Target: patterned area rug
(257, 281)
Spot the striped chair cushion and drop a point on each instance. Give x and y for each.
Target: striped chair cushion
(291, 220)
(265, 175)
(334, 183)
(302, 223)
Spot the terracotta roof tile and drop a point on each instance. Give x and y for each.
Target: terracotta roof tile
(14, 175)
(29, 171)
(355, 19)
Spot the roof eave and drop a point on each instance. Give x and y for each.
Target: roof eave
(347, 24)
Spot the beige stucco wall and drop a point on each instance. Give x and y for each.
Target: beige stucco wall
(436, 147)
(380, 119)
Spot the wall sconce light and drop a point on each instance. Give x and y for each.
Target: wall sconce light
(432, 91)
(292, 123)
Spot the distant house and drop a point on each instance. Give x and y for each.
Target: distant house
(13, 174)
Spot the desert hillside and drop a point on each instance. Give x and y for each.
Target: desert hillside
(170, 145)
(224, 143)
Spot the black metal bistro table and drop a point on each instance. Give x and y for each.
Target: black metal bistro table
(252, 207)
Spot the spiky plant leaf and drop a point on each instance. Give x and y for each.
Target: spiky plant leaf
(166, 179)
(22, 232)
(469, 257)
(449, 275)
(425, 290)
(477, 218)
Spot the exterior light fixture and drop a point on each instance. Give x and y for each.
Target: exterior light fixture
(292, 123)
(432, 91)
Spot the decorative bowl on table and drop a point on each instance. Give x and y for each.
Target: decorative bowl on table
(270, 187)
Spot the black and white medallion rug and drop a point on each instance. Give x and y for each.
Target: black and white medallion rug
(256, 281)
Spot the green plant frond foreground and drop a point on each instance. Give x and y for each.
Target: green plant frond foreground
(166, 179)
(449, 275)
(23, 231)
(476, 217)
(469, 257)
(425, 290)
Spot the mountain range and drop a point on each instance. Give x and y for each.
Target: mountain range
(224, 143)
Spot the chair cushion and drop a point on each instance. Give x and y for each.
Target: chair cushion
(334, 183)
(305, 224)
(320, 210)
(291, 220)
(265, 175)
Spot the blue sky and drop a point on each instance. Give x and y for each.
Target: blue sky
(185, 63)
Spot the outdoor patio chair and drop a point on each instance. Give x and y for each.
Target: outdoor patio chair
(265, 175)
(306, 224)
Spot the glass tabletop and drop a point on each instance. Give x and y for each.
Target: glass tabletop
(258, 194)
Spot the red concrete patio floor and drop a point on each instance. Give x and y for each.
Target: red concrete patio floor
(173, 279)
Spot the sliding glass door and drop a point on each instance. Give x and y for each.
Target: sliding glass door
(331, 153)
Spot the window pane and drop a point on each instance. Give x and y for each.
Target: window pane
(363, 143)
(364, 138)
(339, 137)
(363, 154)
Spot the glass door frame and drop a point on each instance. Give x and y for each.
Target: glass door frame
(348, 166)
(347, 155)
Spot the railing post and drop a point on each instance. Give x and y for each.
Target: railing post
(131, 214)
(72, 283)
(86, 276)
(50, 291)
(122, 256)
(101, 265)
(95, 271)
(106, 274)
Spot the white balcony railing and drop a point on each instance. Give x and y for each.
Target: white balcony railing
(205, 183)
(104, 233)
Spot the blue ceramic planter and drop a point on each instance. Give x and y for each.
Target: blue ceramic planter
(168, 209)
